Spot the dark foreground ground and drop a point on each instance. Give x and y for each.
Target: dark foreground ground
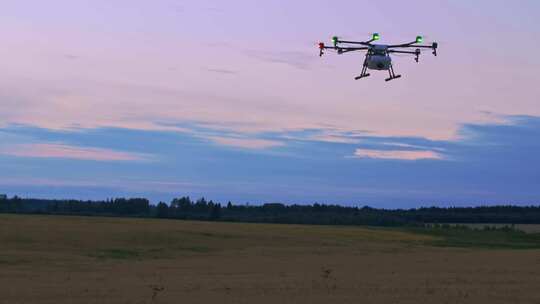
(52, 259)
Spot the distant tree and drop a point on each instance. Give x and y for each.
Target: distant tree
(201, 202)
(185, 208)
(215, 213)
(3, 203)
(162, 210)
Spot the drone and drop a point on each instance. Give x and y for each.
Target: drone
(378, 55)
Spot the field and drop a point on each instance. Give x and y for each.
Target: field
(54, 259)
(529, 228)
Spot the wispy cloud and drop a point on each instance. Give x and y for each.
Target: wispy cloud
(397, 154)
(221, 71)
(405, 145)
(300, 60)
(246, 143)
(63, 151)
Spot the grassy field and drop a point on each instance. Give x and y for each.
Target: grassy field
(53, 259)
(529, 228)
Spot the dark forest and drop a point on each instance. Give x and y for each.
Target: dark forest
(319, 214)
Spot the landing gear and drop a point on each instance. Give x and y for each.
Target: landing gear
(392, 74)
(362, 76)
(364, 69)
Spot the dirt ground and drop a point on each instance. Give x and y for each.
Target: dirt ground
(52, 259)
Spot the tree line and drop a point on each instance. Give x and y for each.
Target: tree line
(321, 214)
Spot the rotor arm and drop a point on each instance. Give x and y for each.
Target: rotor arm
(322, 48)
(336, 41)
(366, 43)
(433, 46)
(342, 50)
(403, 45)
(422, 46)
(417, 53)
(402, 52)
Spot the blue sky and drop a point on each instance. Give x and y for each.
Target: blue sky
(485, 166)
(231, 101)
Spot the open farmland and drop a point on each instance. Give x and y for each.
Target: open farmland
(54, 259)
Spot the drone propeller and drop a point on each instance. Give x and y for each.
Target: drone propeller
(434, 45)
(323, 48)
(337, 38)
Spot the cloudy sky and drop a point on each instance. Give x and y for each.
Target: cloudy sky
(229, 99)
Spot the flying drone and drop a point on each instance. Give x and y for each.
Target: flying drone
(378, 55)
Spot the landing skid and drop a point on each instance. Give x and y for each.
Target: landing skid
(393, 77)
(361, 76)
(392, 74)
(364, 72)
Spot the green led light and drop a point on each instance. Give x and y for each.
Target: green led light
(335, 40)
(419, 39)
(376, 36)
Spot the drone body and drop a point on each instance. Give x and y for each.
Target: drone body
(379, 59)
(378, 55)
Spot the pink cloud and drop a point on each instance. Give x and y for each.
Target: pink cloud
(397, 154)
(56, 150)
(246, 143)
(136, 82)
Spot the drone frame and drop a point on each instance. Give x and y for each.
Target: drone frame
(369, 47)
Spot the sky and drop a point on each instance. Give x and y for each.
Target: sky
(230, 100)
